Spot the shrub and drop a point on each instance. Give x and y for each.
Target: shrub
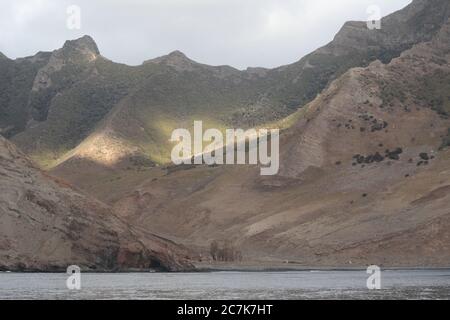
(445, 141)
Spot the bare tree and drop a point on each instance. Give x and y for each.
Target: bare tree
(214, 250)
(225, 252)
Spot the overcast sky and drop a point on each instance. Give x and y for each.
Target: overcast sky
(240, 33)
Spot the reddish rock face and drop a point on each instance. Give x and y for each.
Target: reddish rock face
(46, 225)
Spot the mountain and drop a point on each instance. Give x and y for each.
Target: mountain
(401, 104)
(364, 177)
(46, 226)
(364, 163)
(356, 46)
(83, 107)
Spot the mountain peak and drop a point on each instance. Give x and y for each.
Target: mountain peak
(177, 54)
(175, 59)
(415, 23)
(84, 44)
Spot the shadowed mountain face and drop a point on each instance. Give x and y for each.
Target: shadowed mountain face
(16, 82)
(74, 96)
(356, 46)
(364, 165)
(45, 225)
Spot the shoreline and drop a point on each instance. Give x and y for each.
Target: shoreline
(234, 269)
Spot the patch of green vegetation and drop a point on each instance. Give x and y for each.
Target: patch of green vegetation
(435, 92)
(69, 110)
(445, 141)
(389, 93)
(317, 70)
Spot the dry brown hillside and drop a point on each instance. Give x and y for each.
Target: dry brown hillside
(364, 166)
(364, 179)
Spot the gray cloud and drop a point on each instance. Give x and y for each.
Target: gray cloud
(240, 33)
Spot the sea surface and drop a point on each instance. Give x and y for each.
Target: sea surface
(395, 284)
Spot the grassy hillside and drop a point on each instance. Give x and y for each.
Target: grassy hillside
(80, 95)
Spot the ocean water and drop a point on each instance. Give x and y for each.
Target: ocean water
(395, 284)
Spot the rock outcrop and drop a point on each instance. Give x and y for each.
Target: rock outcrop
(45, 225)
